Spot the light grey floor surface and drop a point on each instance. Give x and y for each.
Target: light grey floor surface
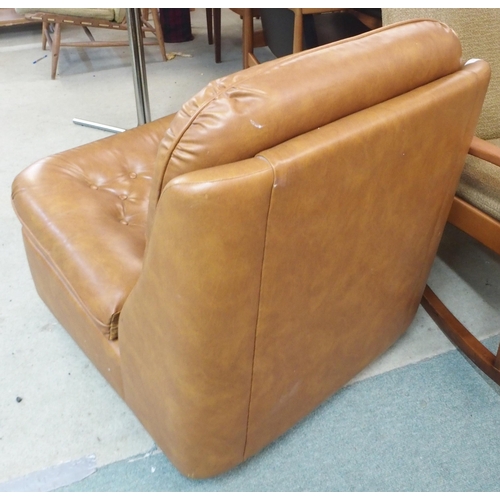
(59, 420)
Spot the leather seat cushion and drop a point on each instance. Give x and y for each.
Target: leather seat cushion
(84, 212)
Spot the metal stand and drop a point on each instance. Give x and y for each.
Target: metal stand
(134, 28)
(99, 126)
(138, 66)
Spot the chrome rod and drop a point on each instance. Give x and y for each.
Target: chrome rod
(134, 28)
(138, 65)
(99, 126)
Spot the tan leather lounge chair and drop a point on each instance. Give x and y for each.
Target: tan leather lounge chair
(229, 268)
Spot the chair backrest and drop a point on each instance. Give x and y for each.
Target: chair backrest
(479, 34)
(238, 116)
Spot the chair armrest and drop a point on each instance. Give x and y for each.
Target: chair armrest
(187, 330)
(485, 151)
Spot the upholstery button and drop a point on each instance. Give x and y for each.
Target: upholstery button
(93, 186)
(124, 222)
(123, 197)
(133, 175)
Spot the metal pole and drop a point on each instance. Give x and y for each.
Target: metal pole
(99, 126)
(134, 28)
(138, 65)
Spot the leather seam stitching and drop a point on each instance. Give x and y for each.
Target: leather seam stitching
(258, 307)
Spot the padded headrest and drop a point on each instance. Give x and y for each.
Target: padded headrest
(236, 117)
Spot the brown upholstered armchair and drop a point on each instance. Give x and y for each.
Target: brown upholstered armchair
(230, 267)
(476, 207)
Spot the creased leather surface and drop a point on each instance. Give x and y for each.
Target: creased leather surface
(267, 104)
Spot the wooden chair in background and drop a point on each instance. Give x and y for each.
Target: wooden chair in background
(114, 19)
(476, 207)
(285, 36)
(250, 37)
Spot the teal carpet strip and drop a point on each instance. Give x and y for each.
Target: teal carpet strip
(432, 426)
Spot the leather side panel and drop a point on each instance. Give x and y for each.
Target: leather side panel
(187, 330)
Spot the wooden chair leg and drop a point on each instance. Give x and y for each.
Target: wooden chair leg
(159, 32)
(56, 43)
(298, 30)
(485, 360)
(247, 35)
(210, 32)
(217, 35)
(45, 29)
(144, 19)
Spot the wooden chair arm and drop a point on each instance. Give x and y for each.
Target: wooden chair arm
(485, 151)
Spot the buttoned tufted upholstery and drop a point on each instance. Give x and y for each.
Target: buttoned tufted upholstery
(230, 267)
(112, 184)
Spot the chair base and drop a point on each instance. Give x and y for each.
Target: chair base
(462, 338)
(486, 230)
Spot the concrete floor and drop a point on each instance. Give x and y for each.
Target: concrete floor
(55, 407)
